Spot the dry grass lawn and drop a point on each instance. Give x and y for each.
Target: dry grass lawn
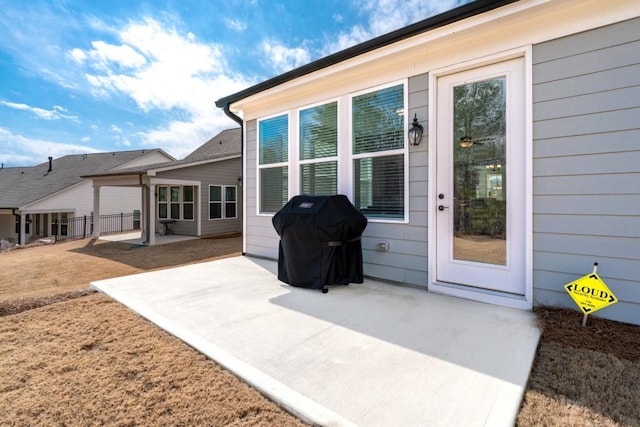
(72, 357)
(83, 359)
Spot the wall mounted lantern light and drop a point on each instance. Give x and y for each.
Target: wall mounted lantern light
(415, 132)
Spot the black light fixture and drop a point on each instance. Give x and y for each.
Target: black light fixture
(415, 132)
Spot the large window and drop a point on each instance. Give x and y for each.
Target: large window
(378, 135)
(319, 150)
(223, 201)
(273, 157)
(358, 150)
(176, 202)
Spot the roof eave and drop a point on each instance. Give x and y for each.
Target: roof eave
(445, 18)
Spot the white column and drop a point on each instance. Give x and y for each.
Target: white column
(23, 229)
(151, 201)
(96, 211)
(144, 226)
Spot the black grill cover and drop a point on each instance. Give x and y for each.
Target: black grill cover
(319, 241)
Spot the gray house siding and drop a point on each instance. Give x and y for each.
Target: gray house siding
(586, 165)
(406, 261)
(224, 172)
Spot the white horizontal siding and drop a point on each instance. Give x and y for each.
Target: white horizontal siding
(79, 200)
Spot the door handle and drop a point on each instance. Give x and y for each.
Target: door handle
(442, 207)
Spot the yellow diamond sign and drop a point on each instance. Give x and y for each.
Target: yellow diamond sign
(590, 293)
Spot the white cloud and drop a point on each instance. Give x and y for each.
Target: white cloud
(103, 54)
(56, 113)
(282, 58)
(162, 69)
(78, 55)
(19, 150)
(167, 71)
(236, 25)
(115, 129)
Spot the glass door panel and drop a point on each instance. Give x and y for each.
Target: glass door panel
(479, 172)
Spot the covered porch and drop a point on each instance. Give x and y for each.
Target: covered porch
(166, 214)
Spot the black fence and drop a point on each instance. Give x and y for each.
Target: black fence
(82, 226)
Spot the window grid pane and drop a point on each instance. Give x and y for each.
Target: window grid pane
(273, 188)
(319, 178)
(274, 140)
(319, 132)
(215, 193)
(230, 210)
(175, 194)
(162, 194)
(175, 210)
(379, 186)
(187, 193)
(230, 194)
(162, 210)
(215, 210)
(187, 211)
(378, 120)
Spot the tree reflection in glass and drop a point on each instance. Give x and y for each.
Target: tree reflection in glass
(479, 171)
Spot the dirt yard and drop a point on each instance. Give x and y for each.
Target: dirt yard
(72, 357)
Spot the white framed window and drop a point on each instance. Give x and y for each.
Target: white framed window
(59, 224)
(176, 202)
(361, 152)
(378, 152)
(273, 163)
(163, 203)
(187, 202)
(318, 149)
(223, 202)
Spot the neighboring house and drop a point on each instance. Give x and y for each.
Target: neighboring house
(197, 196)
(528, 171)
(34, 198)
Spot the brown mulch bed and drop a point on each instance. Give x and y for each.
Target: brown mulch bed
(565, 326)
(583, 376)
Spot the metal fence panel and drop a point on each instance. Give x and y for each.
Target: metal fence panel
(82, 226)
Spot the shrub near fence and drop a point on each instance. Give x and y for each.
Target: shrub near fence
(82, 226)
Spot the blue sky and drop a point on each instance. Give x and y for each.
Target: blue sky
(98, 76)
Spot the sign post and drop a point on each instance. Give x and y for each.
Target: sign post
(590, 293)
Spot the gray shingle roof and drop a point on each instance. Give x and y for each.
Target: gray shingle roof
(23, 185)
(224, 144)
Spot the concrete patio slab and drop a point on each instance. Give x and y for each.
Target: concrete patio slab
(135, 238)
(374, 354)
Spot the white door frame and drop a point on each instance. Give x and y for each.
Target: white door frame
(499, 298)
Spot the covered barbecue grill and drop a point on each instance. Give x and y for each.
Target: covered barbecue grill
(319, 242)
